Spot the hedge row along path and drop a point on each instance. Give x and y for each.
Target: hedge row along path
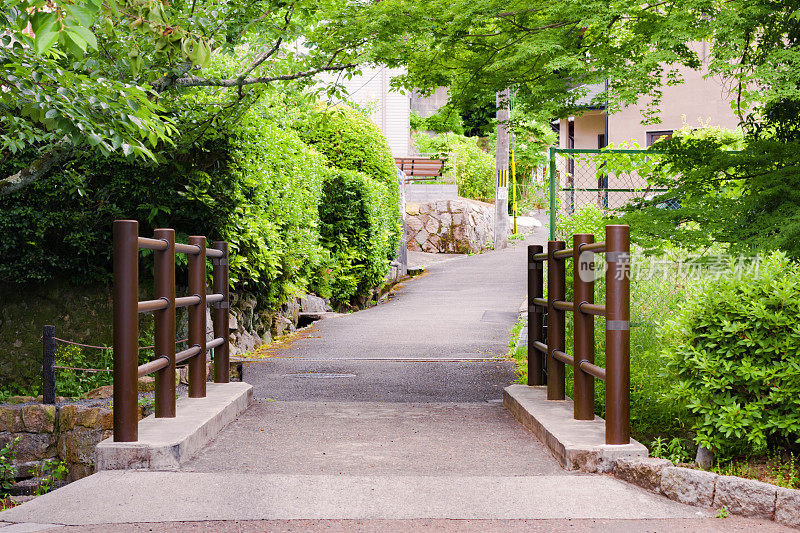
(387, 419)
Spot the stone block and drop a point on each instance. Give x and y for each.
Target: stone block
(312, 304)
(106, 391)
(642, 471)
(787, 507)
(77, 446)
(76, 471)
(107, 419)
(429, 248)
(147, 384)
(39, 418)
(693, 487)
(20, 399)
(746, 497)
(432, 225)
(35, 446)
(11, 419)
(413, 224)
(421, 237)
(88, 417)
(67, 416)
(412, 209)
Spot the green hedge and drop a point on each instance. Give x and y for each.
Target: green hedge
(249, 180)
(349, 139)
(734, 355)
(357, 227)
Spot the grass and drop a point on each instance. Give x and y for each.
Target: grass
(779, 466)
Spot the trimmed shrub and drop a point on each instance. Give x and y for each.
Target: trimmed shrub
(349, 139)
(357, 223)
(734, 353)
(253, 184)
(475, 168)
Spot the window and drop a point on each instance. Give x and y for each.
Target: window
(653, 136)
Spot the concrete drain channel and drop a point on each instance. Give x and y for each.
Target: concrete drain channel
(319, 375)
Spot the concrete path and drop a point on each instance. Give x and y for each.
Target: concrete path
(384, 420)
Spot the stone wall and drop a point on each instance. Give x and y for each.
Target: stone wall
(66, 433)
(450, 226)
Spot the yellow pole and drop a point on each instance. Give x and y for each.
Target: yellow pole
(514, 179)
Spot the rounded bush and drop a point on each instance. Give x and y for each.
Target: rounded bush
(734, 353)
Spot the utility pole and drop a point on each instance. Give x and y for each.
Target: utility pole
(501, 181)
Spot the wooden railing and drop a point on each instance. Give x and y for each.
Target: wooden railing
(546, 360)
(127, 307)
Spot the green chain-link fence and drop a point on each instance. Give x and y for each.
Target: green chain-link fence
(607, 179)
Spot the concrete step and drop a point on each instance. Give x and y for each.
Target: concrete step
(113, 497)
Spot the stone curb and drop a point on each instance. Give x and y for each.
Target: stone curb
(745, 497)
(576, 444)
(165, 443)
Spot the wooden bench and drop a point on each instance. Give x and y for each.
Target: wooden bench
(420, 168)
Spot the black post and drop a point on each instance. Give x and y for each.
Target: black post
(48, 362)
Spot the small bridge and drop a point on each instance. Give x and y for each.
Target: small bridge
(393, 413)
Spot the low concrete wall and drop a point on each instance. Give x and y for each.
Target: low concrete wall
(746, 497)
(576, 444)
(420, 193)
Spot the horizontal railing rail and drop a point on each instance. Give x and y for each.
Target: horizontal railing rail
(546, 325)
(127, 307)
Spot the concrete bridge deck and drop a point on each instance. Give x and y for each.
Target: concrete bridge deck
(388, 419)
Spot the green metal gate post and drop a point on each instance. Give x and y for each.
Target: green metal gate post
(552, 193)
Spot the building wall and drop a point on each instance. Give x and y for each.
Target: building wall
(390, 109)
(426, 106)
(697, 102)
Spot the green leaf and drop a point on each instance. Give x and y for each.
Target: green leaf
(93, 139)
(81, 14)
(85, 34)
(45, 39)
(74, 43)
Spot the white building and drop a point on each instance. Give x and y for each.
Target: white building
(389, 109)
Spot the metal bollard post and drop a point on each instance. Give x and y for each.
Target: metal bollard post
(536, 374)
(48, 361)
(618, 338)
(197, 319)
(556, 290)
(164, 288)
(583, 283)
(126, 330)
(222, 372)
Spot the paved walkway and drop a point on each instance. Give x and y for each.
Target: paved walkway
(388, 419)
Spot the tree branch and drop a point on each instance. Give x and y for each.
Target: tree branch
(35, 170)
(196, 81)
(263, 57)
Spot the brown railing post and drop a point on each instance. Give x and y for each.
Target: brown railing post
(536, 375)
(197, 319)
(556, 290)
(164, 288)
(126, 330)
(583, 288)
(618, 338)
(48, 361)
(222, 372)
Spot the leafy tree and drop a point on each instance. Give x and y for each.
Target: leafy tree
(107, 75)
(746, 198)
